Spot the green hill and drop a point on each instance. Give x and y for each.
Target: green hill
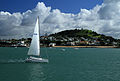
(81, 33)
(87, 36)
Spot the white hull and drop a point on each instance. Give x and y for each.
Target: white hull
(36, 60)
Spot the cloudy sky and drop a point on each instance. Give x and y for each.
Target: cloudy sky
(17, 18)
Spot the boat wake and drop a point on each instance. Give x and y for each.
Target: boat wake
(12, 61)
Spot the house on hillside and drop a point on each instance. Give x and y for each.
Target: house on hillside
(52, 44)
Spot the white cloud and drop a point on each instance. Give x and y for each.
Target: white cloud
(103, 19)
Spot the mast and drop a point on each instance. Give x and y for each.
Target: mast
(39, 33)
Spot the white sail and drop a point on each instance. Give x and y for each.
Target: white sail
(35, 43)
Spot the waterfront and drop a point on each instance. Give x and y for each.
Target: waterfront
(89, 46)
(65, 64)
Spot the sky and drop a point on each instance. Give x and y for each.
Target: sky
(66, 6)
(18, 17)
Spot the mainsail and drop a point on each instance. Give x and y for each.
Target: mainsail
(35, 43)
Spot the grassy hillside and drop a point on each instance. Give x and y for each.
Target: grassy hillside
(81, 33)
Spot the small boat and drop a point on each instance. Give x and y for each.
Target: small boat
(15, 46)
(34, 49)
(76, 48)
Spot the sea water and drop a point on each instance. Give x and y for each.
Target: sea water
(65, 64)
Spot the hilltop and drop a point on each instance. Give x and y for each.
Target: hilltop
(80, 33)
(82, 37)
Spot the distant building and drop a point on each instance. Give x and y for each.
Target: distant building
(71, 43)
(21, 43)
(52, 44)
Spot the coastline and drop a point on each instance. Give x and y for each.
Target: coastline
(89, 46)
(73, 46)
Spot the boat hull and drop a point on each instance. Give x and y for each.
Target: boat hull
(36, 60)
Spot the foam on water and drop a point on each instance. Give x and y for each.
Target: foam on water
(12, 61)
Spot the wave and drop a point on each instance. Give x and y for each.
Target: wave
(12, 61)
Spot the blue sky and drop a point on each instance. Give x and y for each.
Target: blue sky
(66, 6)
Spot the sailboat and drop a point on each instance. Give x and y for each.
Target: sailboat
(34, 50)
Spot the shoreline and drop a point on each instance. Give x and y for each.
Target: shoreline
(89, 46)
(73, 46)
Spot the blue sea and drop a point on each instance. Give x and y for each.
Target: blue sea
(65, 64)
